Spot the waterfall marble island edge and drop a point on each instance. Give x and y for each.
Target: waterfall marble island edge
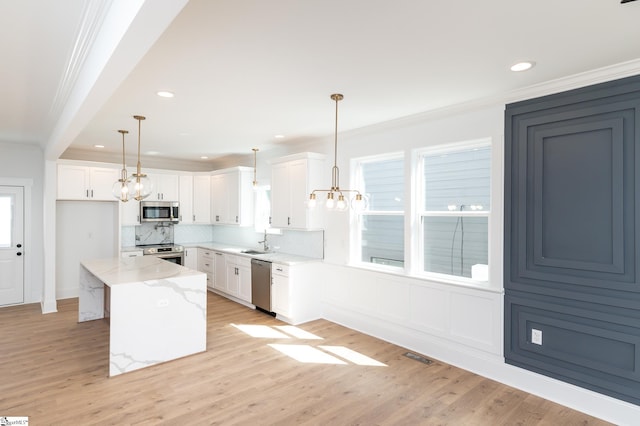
(157, 309)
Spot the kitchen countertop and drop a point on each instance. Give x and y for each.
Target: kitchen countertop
(277, 257)
(287, 259)
(115, 271)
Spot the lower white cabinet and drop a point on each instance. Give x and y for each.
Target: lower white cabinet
(191, 258)
(238, 277)
(220, 274)
(206, 264)
(295, 291)
(280, 300)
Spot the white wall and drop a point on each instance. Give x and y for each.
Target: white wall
(27, 162)
(84, 230)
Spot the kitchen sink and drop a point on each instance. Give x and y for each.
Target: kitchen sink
(253, 252)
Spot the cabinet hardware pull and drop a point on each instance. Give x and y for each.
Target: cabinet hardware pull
(92, 193)
(194, 217)
(288, 221)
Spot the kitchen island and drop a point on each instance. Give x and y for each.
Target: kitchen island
(157, 309)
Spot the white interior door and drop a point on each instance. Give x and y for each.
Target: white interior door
(11, 245)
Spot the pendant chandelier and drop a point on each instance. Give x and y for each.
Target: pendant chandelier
(120, 189)
(138, 183)
(335, 195)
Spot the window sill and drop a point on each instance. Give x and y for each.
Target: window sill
(432, 278)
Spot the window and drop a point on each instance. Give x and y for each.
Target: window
(6, 221)
(454, 208)
(381, 225)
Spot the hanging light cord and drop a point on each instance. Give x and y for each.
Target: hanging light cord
(138, 168)
(335, 172)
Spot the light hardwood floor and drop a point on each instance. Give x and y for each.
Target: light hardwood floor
(54, 370)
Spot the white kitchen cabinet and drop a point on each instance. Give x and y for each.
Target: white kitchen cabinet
(220, 273)
(202, 199)
(280, 300)
(244, 279)
(76, 182)
(195, 199)
(239, 277)
(292, 180)
(130, 213)
(185, 189)
(191, 258)
(206, 264)
(232, 196)
(165, 187)
(295, 291)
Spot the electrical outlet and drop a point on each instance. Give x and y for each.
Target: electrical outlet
(536, 336)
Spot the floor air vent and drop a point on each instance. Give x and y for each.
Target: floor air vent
(418, 358)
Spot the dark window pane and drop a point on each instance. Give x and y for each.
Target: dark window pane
(452, 245)
(383, 240)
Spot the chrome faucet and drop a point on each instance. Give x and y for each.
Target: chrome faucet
(264, 242)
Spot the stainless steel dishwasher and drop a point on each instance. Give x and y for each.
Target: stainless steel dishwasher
(261, 285)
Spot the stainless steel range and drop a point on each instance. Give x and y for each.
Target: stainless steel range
(169, 252)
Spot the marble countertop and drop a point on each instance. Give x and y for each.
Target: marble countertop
(116, 271)
(277, 257)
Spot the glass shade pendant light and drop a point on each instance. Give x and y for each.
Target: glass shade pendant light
(120, 189)
(335, 195)
(138, 183)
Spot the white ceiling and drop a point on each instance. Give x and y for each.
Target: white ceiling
(244, 71)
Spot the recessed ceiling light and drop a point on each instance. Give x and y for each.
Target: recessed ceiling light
(98, 146)
(204, 157)
(278, 136)
(522, 66)
(165, 94)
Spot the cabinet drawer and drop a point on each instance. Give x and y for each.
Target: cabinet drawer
(208, 254)
(134, 253)
(280, 269)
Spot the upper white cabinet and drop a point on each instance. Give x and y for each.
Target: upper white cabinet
(202, 199)
(292, 179)
(130, 213)
(232, 196)
(195, 199)
(186, 198)
(165, 187)
(86, 183)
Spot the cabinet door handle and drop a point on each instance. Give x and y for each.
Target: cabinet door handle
(269, 220)
(87, 191)
(194, 217)
(92, 193)
(236, 219)
(288, 221)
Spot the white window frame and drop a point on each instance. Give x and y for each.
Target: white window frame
(420, 213)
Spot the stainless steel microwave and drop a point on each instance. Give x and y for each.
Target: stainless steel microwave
(160, 211)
